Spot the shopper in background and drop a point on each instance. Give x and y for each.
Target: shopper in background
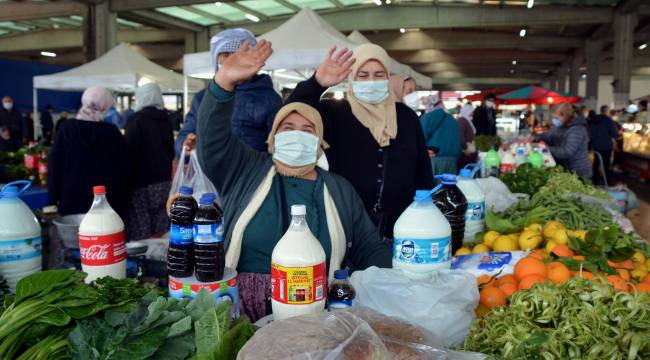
(11, 119)
(87, 152)
(603, 134)
(376, 143)
(569, 140)
(113, 117)
(485, 117)
(256, 102)
(258, 189)
(6, 145)
(47, 124)
(467, 135)
(403, 90)
(63, 117)
(443, 138)
(584, 112)
(150, 139)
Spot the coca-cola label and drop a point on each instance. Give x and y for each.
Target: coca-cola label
(96, 250)
(30, 161)
(42, 168)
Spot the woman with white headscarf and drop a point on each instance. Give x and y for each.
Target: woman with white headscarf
(89, 152)
(467, 135)
(376, 142)
(150, 138)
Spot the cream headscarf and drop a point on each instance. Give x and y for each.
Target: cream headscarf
(308, 113)
(148, 95)
(380, 119)
(396, 87)
(95, 103)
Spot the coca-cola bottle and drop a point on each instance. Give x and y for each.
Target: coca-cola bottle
(102, 244)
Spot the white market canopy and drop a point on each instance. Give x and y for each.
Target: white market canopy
(121, 69)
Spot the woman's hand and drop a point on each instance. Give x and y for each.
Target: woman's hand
(335, 69)
(190, 143)
(243, 64)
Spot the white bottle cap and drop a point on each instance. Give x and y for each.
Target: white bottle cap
(298, 210)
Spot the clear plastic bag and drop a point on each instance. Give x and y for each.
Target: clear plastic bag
(191, 175)
(443, 303)
(497, 195)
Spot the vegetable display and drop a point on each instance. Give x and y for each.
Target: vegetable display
(563, 183)
(486, 142)
(528, 179)
(581, 319)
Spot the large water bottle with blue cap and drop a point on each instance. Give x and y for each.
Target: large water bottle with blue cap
(20, 235)
(475, 214)
(422, 241)
(451, 201)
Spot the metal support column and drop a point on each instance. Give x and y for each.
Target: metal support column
(624, 25)
(593, 49)
(100, 30)
(574, 75)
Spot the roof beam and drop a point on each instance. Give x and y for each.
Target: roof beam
(205, 14)
(57, 39)
(472, 56)
(16, 11)
(485, 81)
(337, 3)
(248, 10)
(129, 5)
(452, 66)
(288, 5)
(446, 39)
(158, 19)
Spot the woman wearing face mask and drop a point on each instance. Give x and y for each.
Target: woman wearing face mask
(89, 152)
(403, 90)
(376, 143)
(569, 140)
(257, 189)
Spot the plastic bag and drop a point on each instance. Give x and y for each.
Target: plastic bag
(443, 303)
(192, 176)
(497, 195)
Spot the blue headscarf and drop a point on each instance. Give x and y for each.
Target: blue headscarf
(229, 41)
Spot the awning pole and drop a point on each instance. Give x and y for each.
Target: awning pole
(185, 95)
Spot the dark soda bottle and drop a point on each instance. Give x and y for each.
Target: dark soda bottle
(209, 254)
(340, 294)
(453, 204)
(180, 258)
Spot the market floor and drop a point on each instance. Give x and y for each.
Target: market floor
(641, 217)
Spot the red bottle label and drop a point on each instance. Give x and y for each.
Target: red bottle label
(103, 249)
(31, 161)
(42, 168)
(298, 285)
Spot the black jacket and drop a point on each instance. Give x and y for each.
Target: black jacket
(355, 154)
(602, 131)
(86, 154)
(150, 138)
(485, 121)
(13, 121)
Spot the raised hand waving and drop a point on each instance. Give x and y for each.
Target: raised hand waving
(243, 64)
(335, 68)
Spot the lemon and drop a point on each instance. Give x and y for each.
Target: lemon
(515, 236)
(559, 236)
(489, 237)
(480, 248)
(505, 243)
(647, 264)
(638, 257)
(534, 227)
(550, 227)
(580, 234)
(639, 272)
(529, 240)
(463, 251)
(550, 246)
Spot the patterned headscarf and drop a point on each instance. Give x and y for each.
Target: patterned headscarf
(95, 103)
(229, 41)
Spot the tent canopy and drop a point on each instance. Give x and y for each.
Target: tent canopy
(121, 69)
(536, 95)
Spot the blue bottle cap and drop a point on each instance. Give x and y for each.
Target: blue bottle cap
(469, 170)
(207, 199)
(447, 179)
(341, 274)
(186, 190)
(421, 195)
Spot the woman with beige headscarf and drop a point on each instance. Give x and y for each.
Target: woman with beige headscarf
(89, 152)
(257, 190)
(376, 143)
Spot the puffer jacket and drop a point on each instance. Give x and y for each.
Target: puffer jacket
(569, 145)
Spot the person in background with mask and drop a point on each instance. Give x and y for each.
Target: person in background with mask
(258, 189)
(402, 89)
(569, 140)
(256, 100)
(11, 119)
(87, 152)
(467, 135)
(485, 117)
(376, 142)
(443, 138)
(150, 139)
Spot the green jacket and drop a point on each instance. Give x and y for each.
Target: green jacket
(237, 172)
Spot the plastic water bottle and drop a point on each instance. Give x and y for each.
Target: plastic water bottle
(520, 155)
(507, 163)
(422, 241)
(180, 257)
(341, 294)
(492, 163)
(209, 254)
(536, 159)
(451, 201)
(20, 236)
(475, 215)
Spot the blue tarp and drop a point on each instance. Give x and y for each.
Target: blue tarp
(16, 81)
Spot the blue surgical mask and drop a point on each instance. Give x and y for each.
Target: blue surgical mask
(556, 122)
(295, 148)
(370, 91)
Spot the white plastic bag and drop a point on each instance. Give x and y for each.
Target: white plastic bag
(443, 303)
(191, 176)
(497, 195)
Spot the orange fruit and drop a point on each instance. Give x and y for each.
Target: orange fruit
(643, 287)
(585, 274)
(618, 282)
(563, 251)
(485, 281)
(646, 279)
(558, 273)
(529, 266)
(505, 279)
(624, 274)
(538, 254)
(509, 288)
(528, 281)
(579, 258)
(481, 310)
(627, 264)
(492, 297)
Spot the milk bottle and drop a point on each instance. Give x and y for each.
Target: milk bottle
(298, 270)
(20, 236)
(475, 215)
(101, 240)
(422, 242)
